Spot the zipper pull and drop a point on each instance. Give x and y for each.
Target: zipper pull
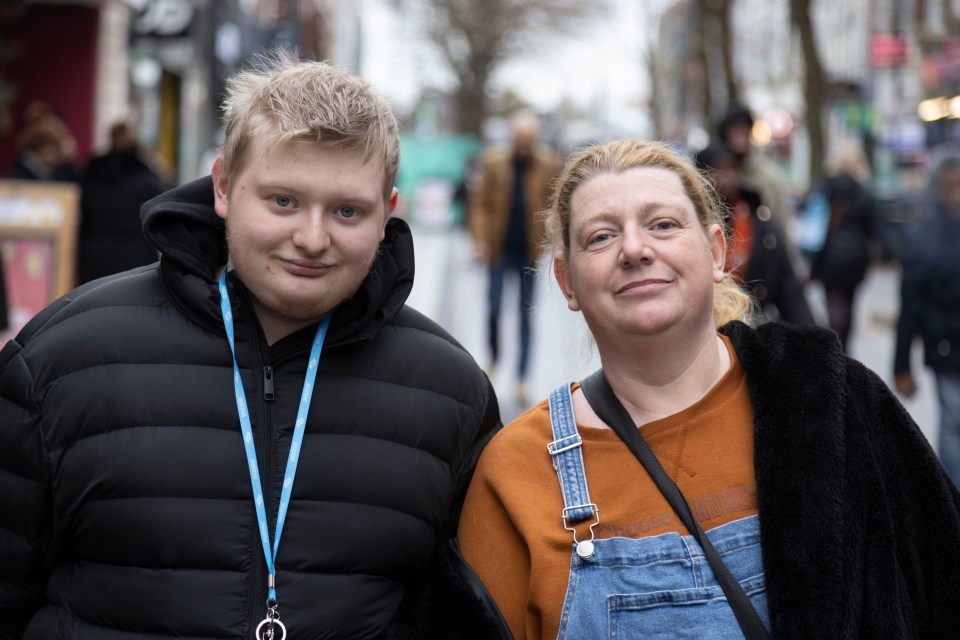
(267, 383)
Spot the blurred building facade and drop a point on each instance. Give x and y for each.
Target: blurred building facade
(160, 63)
(883, 62)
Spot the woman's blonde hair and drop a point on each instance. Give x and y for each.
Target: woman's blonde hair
(730, 302)
(283, 98)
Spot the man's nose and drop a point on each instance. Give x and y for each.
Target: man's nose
(312, 234)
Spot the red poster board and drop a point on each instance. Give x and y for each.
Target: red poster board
(38, 237)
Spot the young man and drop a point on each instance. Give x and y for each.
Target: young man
(256, 434)
(930, 302)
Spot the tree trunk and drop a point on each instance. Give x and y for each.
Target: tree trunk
(726, 50)
(812, 84)
(471, 108)
(700, 72)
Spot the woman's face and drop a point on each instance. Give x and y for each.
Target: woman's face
(640, 262)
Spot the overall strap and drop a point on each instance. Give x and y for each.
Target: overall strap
(568, 463)
(607, 406)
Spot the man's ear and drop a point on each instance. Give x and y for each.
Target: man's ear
(563, 279)
(393, 201)
(221, 188)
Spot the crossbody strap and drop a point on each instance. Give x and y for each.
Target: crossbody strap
(608, 407)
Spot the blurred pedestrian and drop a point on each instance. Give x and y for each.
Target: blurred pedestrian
(507, 230)
(113, 187)
(758, 255)
(758, 172)
(930, 301)
(47, 149)
(852, 235)
(152, 424)
(827, 512)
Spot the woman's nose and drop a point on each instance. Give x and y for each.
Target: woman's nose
(635, 247)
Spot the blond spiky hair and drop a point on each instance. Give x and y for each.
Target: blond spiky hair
(282, 98)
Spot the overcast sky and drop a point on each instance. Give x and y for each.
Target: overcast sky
(600, 68)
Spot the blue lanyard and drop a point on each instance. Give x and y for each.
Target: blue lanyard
(247, 431)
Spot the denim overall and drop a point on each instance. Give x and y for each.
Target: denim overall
(657, 587)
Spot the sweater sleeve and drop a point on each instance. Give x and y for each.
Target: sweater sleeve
(493, 546)
(924, 507)
(25, 503)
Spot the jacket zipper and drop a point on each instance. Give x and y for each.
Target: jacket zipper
(258, 605)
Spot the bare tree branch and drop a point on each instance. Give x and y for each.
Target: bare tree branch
(476, 36)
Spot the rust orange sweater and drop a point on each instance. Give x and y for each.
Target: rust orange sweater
(511, 530)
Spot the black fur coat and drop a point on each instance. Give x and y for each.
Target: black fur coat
(860, 525)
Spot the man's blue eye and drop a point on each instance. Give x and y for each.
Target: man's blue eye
(348, 212)
(283, 201)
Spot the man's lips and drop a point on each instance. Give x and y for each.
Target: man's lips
(306, 268)
(648, 284)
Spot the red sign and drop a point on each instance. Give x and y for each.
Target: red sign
(888, 50)
(942, 66)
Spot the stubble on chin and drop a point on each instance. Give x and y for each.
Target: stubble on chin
(308, 309)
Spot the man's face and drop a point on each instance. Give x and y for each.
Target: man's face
(524, 138)
(948, 190)
(303, 226)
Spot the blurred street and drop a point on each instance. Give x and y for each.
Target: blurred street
(452, 289)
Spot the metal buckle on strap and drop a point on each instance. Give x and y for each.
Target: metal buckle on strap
(584, 547)
(565, 444)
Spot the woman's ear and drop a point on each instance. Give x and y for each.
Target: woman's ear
(718, 251)
(561, 273)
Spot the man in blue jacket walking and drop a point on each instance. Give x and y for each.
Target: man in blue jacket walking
(930, 301)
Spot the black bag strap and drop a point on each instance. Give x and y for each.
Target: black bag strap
(608, 407)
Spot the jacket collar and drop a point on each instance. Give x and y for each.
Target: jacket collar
(183, 226)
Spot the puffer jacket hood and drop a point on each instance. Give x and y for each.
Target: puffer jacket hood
(183, 226)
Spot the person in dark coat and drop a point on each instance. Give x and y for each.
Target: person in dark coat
(112, 189)
(255, 435)
(930, 301)
(852, 237)
(758, 252)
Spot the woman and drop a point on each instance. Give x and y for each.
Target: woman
(853, 231)
(817, 490)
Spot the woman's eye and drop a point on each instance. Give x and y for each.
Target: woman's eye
(598, 238)
(348, 212)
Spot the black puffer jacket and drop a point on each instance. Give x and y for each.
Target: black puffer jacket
(125, 501)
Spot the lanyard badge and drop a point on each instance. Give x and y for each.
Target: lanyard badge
(267, 629)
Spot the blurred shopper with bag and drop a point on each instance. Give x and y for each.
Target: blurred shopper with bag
(851, 236)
